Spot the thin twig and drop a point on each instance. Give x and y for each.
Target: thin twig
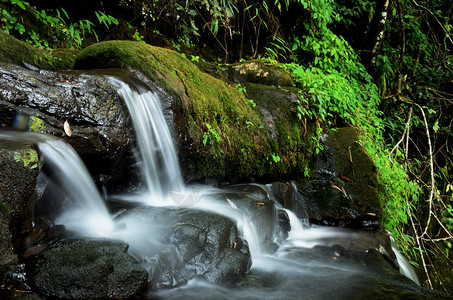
(431, 164)
(419, 246)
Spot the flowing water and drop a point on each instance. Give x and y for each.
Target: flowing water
(154, 140)
(157, 153)
(86, 212)
(309, 262)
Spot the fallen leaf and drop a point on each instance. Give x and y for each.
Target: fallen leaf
(336, 187)
(67, 129)
(260, 203)
(346, 178)
(234, 245)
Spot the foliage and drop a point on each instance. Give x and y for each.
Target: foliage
(21, 19)
(28, 157)
(36, 124)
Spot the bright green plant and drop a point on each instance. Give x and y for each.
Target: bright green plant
(211, 135)
(28, 157)
(36, 124)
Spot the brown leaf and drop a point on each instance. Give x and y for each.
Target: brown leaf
(67, 129)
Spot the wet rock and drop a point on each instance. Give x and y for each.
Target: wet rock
(98, 120)
(253, 201)
(17, 197)
(344, 189)
(77, 268)
(178, 244)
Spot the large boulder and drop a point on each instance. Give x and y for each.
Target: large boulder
(215, 122)
(78, 268)
(98, 119)
(343, 190)
(178, 244)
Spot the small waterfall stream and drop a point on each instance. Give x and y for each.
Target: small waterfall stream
(86, 212)
(296, 265)
(160, 165)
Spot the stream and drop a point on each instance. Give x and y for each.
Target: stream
(282, 256)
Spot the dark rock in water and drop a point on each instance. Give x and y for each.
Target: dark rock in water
(98, 120)
(78, 268)
(321, 272)
(344, 189)
(190, 244)
(253, 201)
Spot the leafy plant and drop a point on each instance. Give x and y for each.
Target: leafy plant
(28, 157)
(36, 124)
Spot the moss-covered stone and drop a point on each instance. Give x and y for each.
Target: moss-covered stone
(254, 71)
(14, 51)
(356, 168)
(223, 135)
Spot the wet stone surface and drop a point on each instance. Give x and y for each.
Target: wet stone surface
(82, 268)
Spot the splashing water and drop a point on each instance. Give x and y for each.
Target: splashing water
(87, 213)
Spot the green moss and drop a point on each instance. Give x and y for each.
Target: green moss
(227, 135)
(15, 51)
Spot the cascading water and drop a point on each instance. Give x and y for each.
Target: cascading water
(160, 165)
(86, 212)
(405, 266)
(294, 267)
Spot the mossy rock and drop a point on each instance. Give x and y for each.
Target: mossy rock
(356, 168)
(254, 71)
(223, 136)
(17, 52)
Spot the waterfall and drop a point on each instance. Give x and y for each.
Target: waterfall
(87, 213)
(405, 267)
(160, 166)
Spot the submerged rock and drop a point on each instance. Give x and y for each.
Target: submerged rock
(80, 268)
(179, 244)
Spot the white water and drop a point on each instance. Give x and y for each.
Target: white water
(160, 166)
(161, 171)
(405, 267)
(89, 216)
(87, 213)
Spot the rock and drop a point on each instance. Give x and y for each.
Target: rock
(17, 198)
(18, 52)
(344, 188)
(254, 71)
(179, 244)
(253, 201)
(82, 268)
(211, 117)
(98, 119)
